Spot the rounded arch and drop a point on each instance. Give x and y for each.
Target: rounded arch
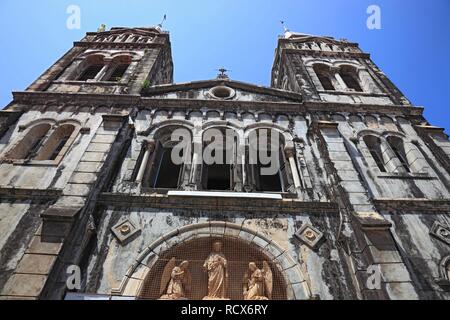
(366, 132)
(132, 56)
(94, 56)
(285, 134)
(316, 61)
(221, 123)
(33, 123)
(295, 285)
(163, 125)
(389, 133)
(352, 66)
(29, 142)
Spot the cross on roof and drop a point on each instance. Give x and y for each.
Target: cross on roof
(223, 72)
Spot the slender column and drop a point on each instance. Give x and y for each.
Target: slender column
(196, 164)
(337, 76)
(290, 154)
(149, 146)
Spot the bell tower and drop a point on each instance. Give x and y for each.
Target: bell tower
(330, 70)
(118, 61)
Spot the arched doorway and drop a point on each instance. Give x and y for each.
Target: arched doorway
(238, 253)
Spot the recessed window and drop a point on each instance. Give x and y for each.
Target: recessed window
(324, 75)
(217, 175)
(399, 150)
(90, 72)
(166, 173)
(374, 145)
(350, 77)
(118, 73)
(42, 143)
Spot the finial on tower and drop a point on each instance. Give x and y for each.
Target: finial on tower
(223, 73)
(285, 29)
(159, 26)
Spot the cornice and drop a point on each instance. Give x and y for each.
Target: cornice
(405, 206)
(26, 100)
(130, 45)
(316, 53)
(289, 206)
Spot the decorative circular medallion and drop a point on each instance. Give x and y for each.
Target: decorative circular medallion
(222, 93)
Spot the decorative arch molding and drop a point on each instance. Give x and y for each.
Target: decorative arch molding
(272, 126)
(222, 124)
(296, 286)
(389, 133)
(362, 133)
(335, 64)
(110, 55)
(168, 123)
(51, 122)
(37, 122)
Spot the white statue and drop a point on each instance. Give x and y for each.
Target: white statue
(217, 267)
(175, 281)
(258, 283)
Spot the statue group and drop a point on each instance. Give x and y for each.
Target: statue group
(176, 280)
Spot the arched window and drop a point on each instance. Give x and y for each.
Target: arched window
(42, 143)
(323, 73)
(91, 68)
(374, 145)
(268, 166)
(350, 78)
(219, 159)
(398, 147)
(118, 68)
(56, 142)
(165, 169)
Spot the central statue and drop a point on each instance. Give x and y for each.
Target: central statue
(217, 267)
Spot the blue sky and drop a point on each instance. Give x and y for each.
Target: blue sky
(411, 48)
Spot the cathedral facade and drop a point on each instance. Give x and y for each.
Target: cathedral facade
(92, 203)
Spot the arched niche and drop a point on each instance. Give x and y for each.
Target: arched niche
(238, 252)
(193, 243)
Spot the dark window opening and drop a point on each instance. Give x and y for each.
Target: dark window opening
(377, 159)
(351, 82)
(374, 144)
(398, 148)
(218, 176)
(91, 72)
(118, 73)
(326, 82)
(58, 148)
(271, 183)
(35, 148)
(167, 173)
(401, 157)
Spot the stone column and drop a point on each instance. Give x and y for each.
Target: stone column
(196, 165)
(149, 146)
(337, 76)
(290, 155)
